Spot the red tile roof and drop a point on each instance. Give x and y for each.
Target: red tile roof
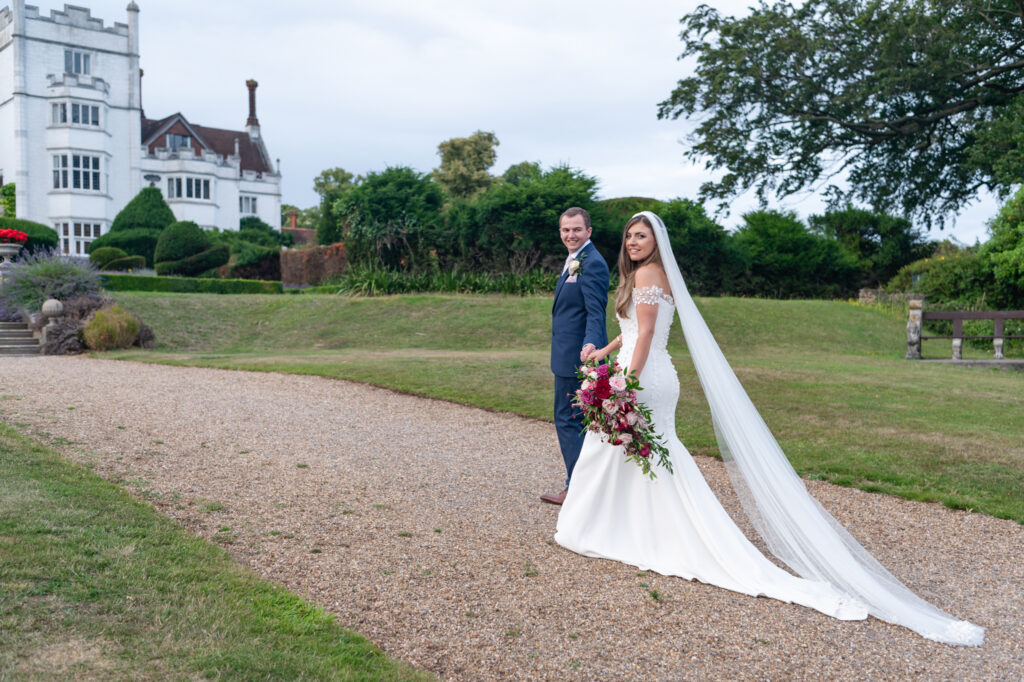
(253, 154)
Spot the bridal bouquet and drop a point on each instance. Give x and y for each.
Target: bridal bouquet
(607, 397)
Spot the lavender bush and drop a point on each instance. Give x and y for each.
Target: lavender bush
(32, 279)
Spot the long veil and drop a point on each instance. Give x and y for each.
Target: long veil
(797, 529)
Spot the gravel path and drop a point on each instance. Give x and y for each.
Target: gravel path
(417, 522)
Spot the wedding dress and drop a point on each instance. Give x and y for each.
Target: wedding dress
(675, 525)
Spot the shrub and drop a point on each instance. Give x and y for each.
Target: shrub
(110, 328)
(33, 279)
(40, 237)
(64, 337)
(189, 285)
(140, 242)
(180, 240)
(147, 211)
(7, 200)
(193, 265)
(126, 263)
(105, 254)
(252, 261)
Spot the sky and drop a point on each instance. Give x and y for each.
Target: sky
(366, 84)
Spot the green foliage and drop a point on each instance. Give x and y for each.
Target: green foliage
(899, 92)
(40, 237)
(881, 244)
(140, 242)
(147, 211)
(252, 229)
(524, 171)
(390, 219)
(710, 259)
(363, 281)
(332, 185)
(125, 264)
(196, 264)
(953, 278)
(464, 163)
(103, 255)
(512, 225)
(1004, 254)
(8, 200)
(788, 261)
(180, 240)
(111, 328)
(189, 285)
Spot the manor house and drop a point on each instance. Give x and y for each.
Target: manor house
(76, 143)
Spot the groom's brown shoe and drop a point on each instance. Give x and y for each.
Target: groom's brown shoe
(557, 498)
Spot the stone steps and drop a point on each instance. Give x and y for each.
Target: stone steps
(16, 339)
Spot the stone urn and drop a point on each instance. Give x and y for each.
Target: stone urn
(8, 250)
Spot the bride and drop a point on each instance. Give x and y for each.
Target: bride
(675, 525)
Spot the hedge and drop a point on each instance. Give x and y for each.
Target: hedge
(179, 241)
(188, 285)
(40, 236)
(140, 242)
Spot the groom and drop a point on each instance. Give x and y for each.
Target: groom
(577, 328)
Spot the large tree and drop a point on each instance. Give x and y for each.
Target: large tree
(464, 163)
(913, 102)
(332, 184)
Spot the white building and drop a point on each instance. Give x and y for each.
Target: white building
(75, 141)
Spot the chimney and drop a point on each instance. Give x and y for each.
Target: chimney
(252, 121)
(293, 219)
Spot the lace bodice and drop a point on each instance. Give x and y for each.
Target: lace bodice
(658, 379)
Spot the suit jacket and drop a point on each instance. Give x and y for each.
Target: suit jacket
(578, 313)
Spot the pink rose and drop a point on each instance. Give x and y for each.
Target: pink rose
(610, 407)
(626, 439)
(631, 418)
(617, 382)
(602, 371)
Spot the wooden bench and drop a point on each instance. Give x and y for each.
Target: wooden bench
(918, 317)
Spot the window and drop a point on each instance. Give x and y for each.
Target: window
(176, 142)
(81, 114)
(76, 62)
(247, 205)
(85, 172)
(188, 188)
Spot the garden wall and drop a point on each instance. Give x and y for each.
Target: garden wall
(311, 266)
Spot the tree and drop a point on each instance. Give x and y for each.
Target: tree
(1003, 254)
(8, 200)
(513, 225)
(464, 163)
(332, 184)
(915, 102)
(390, 218)
(881, 243)
(788, 261)
(137, 227)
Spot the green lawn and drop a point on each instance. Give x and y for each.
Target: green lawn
(829, 377)
(97, 585)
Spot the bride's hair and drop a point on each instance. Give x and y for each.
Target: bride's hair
(628, 267)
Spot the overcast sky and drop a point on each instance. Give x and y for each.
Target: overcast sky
(364, 84)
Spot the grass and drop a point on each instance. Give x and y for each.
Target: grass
(97, 585)
(828, 376)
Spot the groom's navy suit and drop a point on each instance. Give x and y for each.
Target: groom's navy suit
(577, 318)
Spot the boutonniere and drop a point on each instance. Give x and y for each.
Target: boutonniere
(576, 267)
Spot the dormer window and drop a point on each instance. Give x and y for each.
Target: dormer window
(77, 62)
(176, 142)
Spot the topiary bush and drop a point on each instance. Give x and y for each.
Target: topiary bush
(180, 240)
(139, 242)
(32, 279)
(126, 264)
(147, 211)
(137, 227)
(111, 328)
(40, 237)
(105, 254)
(213, 257)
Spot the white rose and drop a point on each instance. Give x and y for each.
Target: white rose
(585, 385)
(574, 267)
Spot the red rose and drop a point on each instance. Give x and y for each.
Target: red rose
(602, 390)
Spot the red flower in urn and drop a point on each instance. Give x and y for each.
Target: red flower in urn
(13, 237)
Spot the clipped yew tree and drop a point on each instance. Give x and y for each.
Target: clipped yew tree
(185, 249)
(138, 226)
